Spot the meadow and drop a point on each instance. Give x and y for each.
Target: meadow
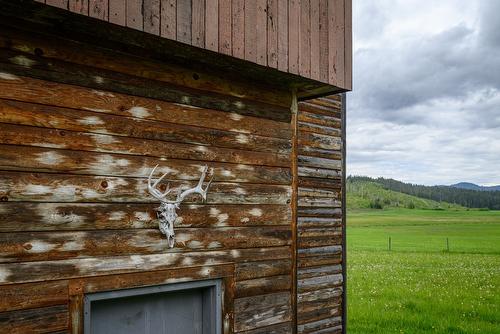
(419, 286)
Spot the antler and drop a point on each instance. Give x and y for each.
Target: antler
(199, 187)
(180, 197)
(152, 187)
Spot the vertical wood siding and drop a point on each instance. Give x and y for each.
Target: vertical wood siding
(312, 38)
(319, 217)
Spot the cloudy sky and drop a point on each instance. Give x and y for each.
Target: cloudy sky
(426, 101)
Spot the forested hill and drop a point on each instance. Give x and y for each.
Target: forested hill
(464, 197)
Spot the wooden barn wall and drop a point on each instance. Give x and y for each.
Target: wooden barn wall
(319, 216)
(311, 38)
(80, 130)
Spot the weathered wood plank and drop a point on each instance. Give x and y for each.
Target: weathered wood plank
(149, 278)
(319, 260)
(323, 130)
(259, 311)
(250, 30)
(307, 161)
(319, 271)
(323, 38)
(238, 28)
(312, 182)
(62, 95)
(318, 222)
(47, 246)
(272, 33)
(293, 35)
(212, 25)
(48, 187)
(252, 270)
(198, 23)
(225, 26)
(319, 202)
(58, 3)
(319, 172)
(25, 64)
(51, 138)
(348, 44)
(321, 326)
(168, 22)
(281, 328)
(151, 10)
(319, 109)
(73, 268)
(305, 39)
(282, 27)
(263, 285)
(99, 9)
(13, 112)
(33, 295)
(318, 283)
(324, 120)
(318, 312)
(319, 192)
(117, 12)
(38, 320)
(261, 32)
(79, 6)
(315, 39)
(308, 140)
(184, 16)
(320, 212)
(38, 159)
(336, 37)
(18, 217)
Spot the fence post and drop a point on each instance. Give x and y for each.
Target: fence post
(447, 245)
(390, 244)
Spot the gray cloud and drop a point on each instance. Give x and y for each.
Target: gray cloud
(426, 101)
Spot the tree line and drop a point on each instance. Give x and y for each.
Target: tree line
(464, 197)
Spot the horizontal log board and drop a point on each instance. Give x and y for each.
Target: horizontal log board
(47, 187)
(307, 37)
(64, 49)
(259, 311)
(86, 121)
(51, 160)
(319, 217)
(82, 267)
(42, 320)
(21, 64)
(55, 138)
(28, 216)
(32, 90)
(42, 246)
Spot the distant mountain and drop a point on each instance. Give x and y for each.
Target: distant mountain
(464, 197)
(473, 186)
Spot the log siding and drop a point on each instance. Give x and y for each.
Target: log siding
(82, 125)
(319, 219)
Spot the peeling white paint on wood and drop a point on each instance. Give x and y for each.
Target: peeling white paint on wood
(22, 61)
(103, 139)
(8, 76)
(96, 109)
(50, 158)
(98, 79)
(38, 246)
(91, 120)
(235, 117)
(256, 212)
(139, 112)
(102, 93)
(242, 139)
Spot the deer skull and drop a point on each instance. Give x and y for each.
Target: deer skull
(166, 213)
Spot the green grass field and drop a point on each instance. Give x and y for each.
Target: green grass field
(418, 286)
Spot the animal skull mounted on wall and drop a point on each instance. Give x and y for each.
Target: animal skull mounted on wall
(166, 213)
